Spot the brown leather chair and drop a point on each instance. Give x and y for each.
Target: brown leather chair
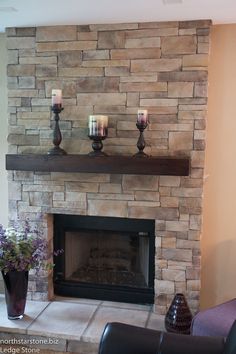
(120, 338)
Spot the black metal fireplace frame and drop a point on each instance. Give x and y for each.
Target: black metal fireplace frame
(65, 223)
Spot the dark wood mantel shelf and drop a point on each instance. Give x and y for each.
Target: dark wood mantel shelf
(173, 166)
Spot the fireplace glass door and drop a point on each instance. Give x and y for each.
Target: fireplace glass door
(104, 258)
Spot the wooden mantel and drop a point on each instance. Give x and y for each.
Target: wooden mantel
(173, 166)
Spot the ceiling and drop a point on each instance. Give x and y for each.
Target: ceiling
(27, 13)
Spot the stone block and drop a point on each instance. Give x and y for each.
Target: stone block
(68, 87)
(65, 46)
(135, 53)
(111, 39)
(46, 70)
(75, 72)
(197, 159)
(105, 63)
(178, 45)
(38, 60)
(195, 222)
(116, 71)
(201, 89)
(113, 27)
(195, 60)
(168, 242)
(25, 31)
(108, 208)
(87, 36)
(177, 225)
(27, 82)
(110, 188)
(187, 244)
(140, 182)
(132, 100)
(173, 275)
(96, 54)
(203, 48)
(199, 24)
(20, 42)
(20, 139)
(153, 65)
(180, 89)
(183, 76)
(193, 285)
(13, 56)
(169, 181)
(190, 205)
(56, 33)
(187, 192)
(40, 199)
(169, 202)
(142, 87)
(98, 84)
(22, 93)
(146, 196)
(152, 42)
(70, 59)
(21, 70)
(177, 254)
(193, 273)
(180, 141)
(85, 99)
(14, 190)
(164, 287)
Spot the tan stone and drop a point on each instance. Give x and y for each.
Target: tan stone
(60, 46)
(169, 181)
(27, 82)
(56, 33)
(46, 187)
(199, 24)
(87, 36)
(97, 84)
(197, 159)
(180, 89)
(174, 275)
(132, 100)
(192, 115)
(187, 244)
(141, 65)
(187, 31)
(46, 70)
(190, 205)
(146, 196)
(73, 72)
(20, 42)
(110, 188)
(152, 42)
(81, 187)
(144, 33)
(193, 285)
(70, 59)
(203, 47)
(139, 78)
(193, 273)
(169, 202)
(22, 93)
(195, 60)
(195, 222)
(178, 45)
(177, 226)
(180, 141)
(138, 87)
(164, 287)
(162, 24)
(21, 70)
(111, 39)
(114, 26)
(19, 139)
(96, 55)
(177, 254)
(40, 199)
(114, 99)
(111, 196)
(108, 63)
(200, 89)
(38, 60)
(183, 76)
(139, 182)
(135, 53)
(69, 205)
(168, 242)
(160, 102)
(187, 192)
(116, 71)
(107, 208)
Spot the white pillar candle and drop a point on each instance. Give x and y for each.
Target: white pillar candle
(142, 117)
(57, 98)
(98, 125)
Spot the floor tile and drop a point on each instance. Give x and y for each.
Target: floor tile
(113, 314)
(156, 322)
(32, 310)
(63, 320)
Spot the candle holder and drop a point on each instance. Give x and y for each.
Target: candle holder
(56, 150)
(141, 142)
(97, 145)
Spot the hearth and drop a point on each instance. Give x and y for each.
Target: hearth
(105, 258)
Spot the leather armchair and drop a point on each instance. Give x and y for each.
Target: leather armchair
(120, 338)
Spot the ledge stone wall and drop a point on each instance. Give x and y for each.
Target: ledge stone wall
(115, 70)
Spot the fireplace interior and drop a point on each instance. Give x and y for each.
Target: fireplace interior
(105, 258)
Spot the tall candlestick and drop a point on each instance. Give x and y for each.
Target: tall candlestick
(56, 98)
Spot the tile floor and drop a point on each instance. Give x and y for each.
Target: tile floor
(76, 319)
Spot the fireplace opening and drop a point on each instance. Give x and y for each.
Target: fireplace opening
(104, 258)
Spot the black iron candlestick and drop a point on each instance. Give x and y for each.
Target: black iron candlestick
(97, 145)
(56, 150)
(141, 142)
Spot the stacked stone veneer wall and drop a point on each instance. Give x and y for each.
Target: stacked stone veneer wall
(114, 70)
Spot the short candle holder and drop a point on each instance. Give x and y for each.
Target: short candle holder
(141, 142)
(97, 145)
(56, 150)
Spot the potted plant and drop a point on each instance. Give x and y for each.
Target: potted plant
(21, 249)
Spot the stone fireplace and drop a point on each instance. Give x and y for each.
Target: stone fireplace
(114, 70)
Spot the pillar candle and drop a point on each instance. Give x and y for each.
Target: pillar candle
(142, 117)
(56, 98)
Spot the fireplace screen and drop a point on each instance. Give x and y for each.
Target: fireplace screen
(104, 258)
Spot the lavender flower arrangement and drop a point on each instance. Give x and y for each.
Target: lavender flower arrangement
(23, 249)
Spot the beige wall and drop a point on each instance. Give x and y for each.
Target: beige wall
(3, 132)
(219, 224)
